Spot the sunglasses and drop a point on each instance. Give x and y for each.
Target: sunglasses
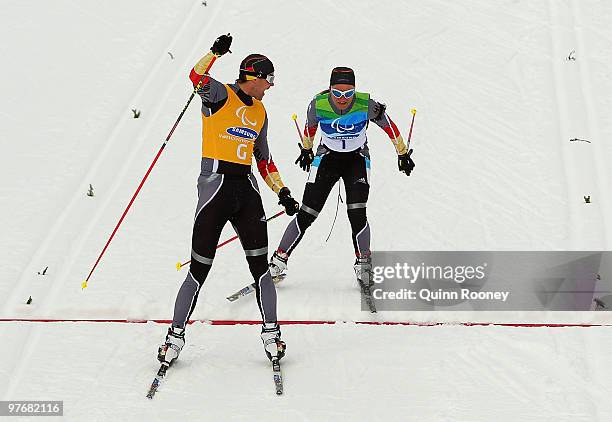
(346, 94)
(270, 78)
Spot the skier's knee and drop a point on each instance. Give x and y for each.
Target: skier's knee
(199, 271)
(357, 216)
(258, 265)
(306, 217)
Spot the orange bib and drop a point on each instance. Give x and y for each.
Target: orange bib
(230, 133)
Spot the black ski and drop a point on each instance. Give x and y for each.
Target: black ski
(161, 374)
(278, 377)
(251, 288)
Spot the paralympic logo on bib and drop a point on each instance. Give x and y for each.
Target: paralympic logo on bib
(242, 132)
(241, 113)
(342, 128)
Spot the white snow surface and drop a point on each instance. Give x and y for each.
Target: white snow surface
(498, 101)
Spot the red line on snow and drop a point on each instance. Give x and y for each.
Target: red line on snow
(307, 322)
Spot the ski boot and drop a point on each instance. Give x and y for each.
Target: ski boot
(170, 350)
(273, 345)
(278, 265)
(363, 271)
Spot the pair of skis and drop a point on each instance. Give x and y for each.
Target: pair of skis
(276, 367)
(161, 375)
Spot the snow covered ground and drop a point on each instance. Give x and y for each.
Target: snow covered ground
(338, 372)
(500, 87)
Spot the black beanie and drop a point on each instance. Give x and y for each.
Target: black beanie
(256, 65)
(342, 75)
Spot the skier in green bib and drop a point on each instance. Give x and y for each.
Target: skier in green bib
(343, 115)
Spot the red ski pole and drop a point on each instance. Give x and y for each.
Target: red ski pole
(294, 117)
(413, 111)
(225, 242)
(202, 81)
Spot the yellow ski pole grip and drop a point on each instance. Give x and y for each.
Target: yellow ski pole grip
(413, 111)
(297, 126)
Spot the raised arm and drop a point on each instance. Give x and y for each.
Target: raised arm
(212, 91)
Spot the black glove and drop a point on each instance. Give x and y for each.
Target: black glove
(305, 158)
(222, 45)
(284, 198)
(405, 163)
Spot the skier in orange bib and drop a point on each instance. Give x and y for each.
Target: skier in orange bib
(234, 129)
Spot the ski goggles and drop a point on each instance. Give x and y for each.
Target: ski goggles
(269, 78)
(346, 94)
